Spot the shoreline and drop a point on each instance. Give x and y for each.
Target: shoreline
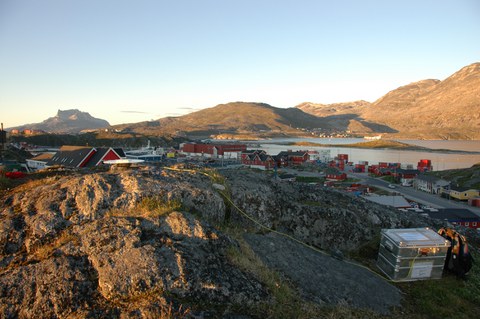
(385, 144)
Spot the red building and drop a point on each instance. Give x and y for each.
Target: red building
(212, 150)
(456, 216)
(424, 165)
(258, 159)
(291, 158)
(333, 174)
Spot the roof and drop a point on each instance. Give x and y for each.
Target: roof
(120, 152)
(292, 153)
(407, 171)
(43, 157)
(332, 171)
(263, 157)
(71, 156)
(454, 214)
(253, 152)
(394, 201)
(462, 189)
(98, 156)
(431, 178)
(74, 156)
(68, 148)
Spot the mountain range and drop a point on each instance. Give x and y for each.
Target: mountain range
(429, 109)
(448, 109)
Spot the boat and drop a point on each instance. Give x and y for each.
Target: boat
(147, 154)
(373, 138)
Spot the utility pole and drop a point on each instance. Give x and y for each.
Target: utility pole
(3, 140)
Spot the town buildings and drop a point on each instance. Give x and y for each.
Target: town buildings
(430, 184)
(230, 151)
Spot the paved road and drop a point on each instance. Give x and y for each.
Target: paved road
(415, 195)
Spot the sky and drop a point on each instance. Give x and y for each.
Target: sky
(138, 60)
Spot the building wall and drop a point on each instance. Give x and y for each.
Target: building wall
(465, 195)
(111, 155)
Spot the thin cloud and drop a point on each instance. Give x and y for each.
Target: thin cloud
(136, 112)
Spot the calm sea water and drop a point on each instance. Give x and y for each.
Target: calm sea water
(440, 160)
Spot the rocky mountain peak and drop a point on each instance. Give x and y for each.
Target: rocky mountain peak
(70, 121)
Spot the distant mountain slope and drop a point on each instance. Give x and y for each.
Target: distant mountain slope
(344, 116)
(68, 121)
(232, 118)
(317, 109)
(432, 108)
(448, 109)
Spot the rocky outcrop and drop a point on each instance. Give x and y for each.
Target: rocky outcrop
(79, 247)
(322, 217)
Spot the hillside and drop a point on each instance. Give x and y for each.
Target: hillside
(238, 118)
(67, 122)
(166, 243)
(345, 116)
(448, 109)
(465, 177)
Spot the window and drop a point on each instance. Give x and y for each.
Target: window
(467, 223)
(474, 224)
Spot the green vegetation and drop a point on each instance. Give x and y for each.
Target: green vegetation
(388, 178)
(448, 297)
(464, 177)
(5, 183)
(309, 179)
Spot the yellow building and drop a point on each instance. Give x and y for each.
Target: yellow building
(464, 194)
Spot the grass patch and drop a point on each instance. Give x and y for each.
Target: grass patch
(448, 297)
(149, 206)
(5, 183)
(309, 179)
(388, 178)
(154, 206)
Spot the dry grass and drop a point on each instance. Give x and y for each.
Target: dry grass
(150, 206)
(47, 250)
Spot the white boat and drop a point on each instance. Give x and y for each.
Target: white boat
(373, 138)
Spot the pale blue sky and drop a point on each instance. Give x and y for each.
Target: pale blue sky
(129, 61)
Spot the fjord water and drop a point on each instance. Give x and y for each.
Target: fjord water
(442, 159)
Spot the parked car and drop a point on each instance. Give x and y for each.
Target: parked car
(391, 186)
